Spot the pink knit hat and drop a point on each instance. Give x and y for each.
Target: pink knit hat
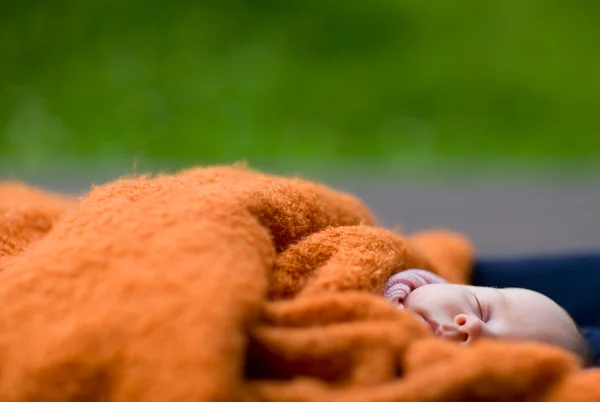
(402, 283)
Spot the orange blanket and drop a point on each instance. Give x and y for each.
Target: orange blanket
(225, 284)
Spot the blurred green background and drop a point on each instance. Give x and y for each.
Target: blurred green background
(316, 80)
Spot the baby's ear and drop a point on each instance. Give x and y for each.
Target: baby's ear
(444, 252)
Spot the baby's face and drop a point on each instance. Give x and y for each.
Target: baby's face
(467, 313)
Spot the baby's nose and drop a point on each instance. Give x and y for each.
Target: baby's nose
(469, 327)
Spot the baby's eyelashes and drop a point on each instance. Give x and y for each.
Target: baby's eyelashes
(481, 308)
(485, 310)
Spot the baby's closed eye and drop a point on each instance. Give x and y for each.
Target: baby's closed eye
(482, 308)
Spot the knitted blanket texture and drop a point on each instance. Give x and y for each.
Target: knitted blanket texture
(227, 284)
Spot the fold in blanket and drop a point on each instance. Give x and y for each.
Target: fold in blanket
(226, 284)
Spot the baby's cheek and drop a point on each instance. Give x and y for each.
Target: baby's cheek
(421, 298)
(410, 302)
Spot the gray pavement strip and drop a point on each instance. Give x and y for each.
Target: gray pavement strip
(512, 214)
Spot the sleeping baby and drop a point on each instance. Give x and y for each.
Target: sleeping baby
(466, 313)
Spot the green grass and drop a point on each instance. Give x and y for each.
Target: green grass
(320, 80)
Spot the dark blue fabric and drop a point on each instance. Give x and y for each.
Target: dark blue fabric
(593, 336)
(572, 281)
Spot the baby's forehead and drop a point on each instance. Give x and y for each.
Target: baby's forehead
(511, 294)
(527, 305)
(528, 295)
(518, 302)
(514, 300)
(484, 290)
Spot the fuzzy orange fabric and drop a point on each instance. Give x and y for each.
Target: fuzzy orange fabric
(226, 284)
